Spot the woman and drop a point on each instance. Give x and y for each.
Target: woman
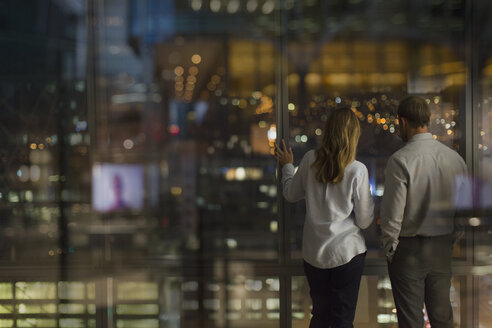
(338, 205)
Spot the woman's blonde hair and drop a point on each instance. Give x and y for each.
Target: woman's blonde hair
(341, 135)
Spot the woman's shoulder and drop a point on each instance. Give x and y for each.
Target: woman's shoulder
(357, 167)
(310, 155)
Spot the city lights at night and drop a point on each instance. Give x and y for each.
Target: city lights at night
(139, 184)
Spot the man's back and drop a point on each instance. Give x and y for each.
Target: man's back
(417, 219)
(424, 177)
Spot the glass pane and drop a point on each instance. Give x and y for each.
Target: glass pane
(32, 322)
(71, 290)
(36, 308)
(485, 301)
(137, 291)
(483, 55)
(91, 290)
(33, 166)
(6, 291)
(6, 308)
(184, 116)
(72, 323)
(137, 323)
(6, 323)
(137, 309)
(361, 56)
(192, 302)
(35, 290)
(71, 308)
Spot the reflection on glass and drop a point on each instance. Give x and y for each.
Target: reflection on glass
(71, 308)
(6, 291)
(485, 301)
(36, 322)
(34, 308)
(192, 108)
(137, 291)
(6, 322)
(35, 290)
(6, 308)
(242, 299)
(71, 290)
(72, 323)
(142, 309)
(40, 299)
(137, 323)
(117, 187)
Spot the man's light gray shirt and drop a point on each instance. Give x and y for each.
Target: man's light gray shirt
(423, 180)
(335, 213)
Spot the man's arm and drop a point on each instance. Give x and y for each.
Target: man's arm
(463, 200)
(393, 205)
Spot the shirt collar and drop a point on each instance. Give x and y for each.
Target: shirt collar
(421, 137)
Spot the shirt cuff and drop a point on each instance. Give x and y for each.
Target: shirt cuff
(390, 249)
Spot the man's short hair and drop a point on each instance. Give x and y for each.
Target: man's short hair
(415, 110)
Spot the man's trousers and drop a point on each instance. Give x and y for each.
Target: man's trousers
(420, 272)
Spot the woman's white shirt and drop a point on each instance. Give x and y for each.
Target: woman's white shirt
(335, 213)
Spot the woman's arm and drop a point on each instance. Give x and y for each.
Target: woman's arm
(292, 182)
(363, 202)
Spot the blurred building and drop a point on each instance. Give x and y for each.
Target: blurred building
(137, 186)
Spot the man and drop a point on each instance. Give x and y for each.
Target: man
(417, 213)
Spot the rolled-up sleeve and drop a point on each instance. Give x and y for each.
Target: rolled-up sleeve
(293, 183)
(393, 204)
(363, 202)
